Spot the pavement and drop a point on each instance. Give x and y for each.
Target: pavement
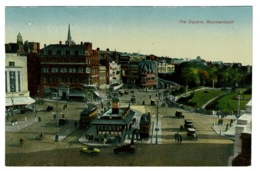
(19, 125)
(222, 129)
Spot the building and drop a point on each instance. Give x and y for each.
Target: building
(33, 65)
(148, 74)
(102, 77)
(67, 68)
(114, 73)
(165, 68)
(115, 121)
(241, 130)
(124, 60)
(244, 157)
(31, 47)
(11, 48)
(133, 73)
(16, 82)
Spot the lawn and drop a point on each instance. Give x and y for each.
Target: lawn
(230, 102)
(203, 96)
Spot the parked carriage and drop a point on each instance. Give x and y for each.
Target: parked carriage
(191, 133)
(179, 114)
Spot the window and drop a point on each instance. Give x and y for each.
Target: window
(80, 70)
(72, 70)
(54, 70)
(58, 52)
(19, 81)
(88, 61)
(63, 70)
(12, 64)
(12, 81)
(87, 70)
(45, 70)
(49, 52)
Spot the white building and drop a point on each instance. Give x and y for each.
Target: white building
(164, 67)
(114, 73)
(242, 125)
(16, 82)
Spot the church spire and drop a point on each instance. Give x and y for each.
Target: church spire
(69, 40)
(69, 36)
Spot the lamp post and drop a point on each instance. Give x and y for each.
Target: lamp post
(186, 90)
(238, 106)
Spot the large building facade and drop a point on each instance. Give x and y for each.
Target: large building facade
(16, 81)
(66, 69)
(74, 65)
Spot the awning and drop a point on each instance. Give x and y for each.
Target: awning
(23, 100)
(76, 94)
(116, 86)
(99, 94)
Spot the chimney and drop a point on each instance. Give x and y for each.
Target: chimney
(98, 49)
(45, 45)
(115, 105)
(81, 43)
(60, 42)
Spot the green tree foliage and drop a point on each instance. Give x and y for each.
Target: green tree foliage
(197, 73)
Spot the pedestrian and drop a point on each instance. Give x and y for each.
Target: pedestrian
(180, 139)
(226, 127)
(65, 107)
(56, 138)
(21, 141)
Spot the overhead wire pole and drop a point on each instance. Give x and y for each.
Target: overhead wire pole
(157, 108)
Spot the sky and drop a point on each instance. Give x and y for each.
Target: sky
(144, 29)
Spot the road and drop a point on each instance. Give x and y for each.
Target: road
(210, 149)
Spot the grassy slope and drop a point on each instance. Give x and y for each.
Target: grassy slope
(227, 102)
(201, 97)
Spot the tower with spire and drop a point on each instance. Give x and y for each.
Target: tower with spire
(20, 44)
(69, 40)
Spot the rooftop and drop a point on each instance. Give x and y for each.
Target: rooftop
(124, 117)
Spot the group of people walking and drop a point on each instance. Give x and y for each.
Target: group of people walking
(178, 138)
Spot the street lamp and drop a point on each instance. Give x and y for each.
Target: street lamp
(187, 89)
(238, 106)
